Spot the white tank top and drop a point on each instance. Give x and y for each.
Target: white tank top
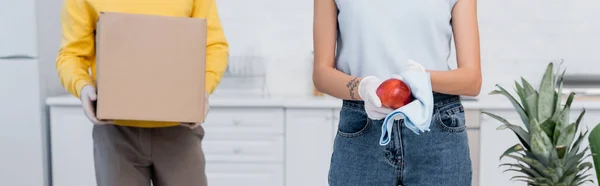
(377, 37)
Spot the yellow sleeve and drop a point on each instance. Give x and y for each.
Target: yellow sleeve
(77, 46)
(217, 48)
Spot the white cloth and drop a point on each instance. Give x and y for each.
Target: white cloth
(417, 114)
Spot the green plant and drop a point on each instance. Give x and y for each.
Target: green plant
(549, 154)
(594, 140)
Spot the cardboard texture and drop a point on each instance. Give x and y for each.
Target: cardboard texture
(150, 68)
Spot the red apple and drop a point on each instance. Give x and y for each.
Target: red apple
(394, 93)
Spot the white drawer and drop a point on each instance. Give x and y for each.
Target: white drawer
(244, 174)
(245, 121)
(259, 149)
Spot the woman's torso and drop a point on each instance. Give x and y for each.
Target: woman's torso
(376, 38)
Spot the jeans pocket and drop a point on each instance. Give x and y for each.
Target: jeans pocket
(451, 118)
(353, 122)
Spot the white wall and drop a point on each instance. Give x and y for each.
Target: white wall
(518, 38)
(49, 28)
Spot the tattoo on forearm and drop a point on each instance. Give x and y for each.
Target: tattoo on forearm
(353, 84)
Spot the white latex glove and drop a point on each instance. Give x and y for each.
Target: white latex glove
(88, 97)
(206, 108)
(413, 66)
(367, 91)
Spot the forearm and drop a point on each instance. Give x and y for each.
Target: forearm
(461, 81)
(73, 74)
(335, 83)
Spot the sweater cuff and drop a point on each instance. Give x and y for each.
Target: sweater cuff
(80, 84)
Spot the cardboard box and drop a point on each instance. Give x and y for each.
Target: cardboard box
(150, 68)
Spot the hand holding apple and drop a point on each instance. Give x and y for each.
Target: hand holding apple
(394, 93)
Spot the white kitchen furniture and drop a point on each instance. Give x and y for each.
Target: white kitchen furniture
(18, 28)
(252, 142)
(23, 136)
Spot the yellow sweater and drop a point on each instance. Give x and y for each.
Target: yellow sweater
(77, 53)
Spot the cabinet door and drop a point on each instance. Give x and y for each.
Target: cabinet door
(493, 144)
(231, 174)
(308, 146)
(473, 131)
(21, 139)
(72, 147)
(18, 28)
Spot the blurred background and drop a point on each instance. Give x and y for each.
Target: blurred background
(268, 126)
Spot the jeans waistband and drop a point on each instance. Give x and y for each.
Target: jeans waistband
(439, 100)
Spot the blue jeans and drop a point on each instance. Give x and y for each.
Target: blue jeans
(439, 157)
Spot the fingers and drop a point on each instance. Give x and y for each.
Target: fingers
(414, 66)
(375, 112)
(397, 77)
(374, 99)
(89, 110)
(191, 125)
(92, 95)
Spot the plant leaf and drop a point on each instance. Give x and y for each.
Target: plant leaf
(521, 134)
(523, 169)
(514, 148)
(572, 162)
(577, 143)
(561, 151)
(580, 179)
(546, 102)
(538, 167)
(579, 118)
(530, 99)
(594, 141)
(541, 146)
(567, 136)
(555, 135)
(515, 103)
(548, 127)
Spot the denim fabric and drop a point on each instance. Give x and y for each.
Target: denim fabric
(439, 157)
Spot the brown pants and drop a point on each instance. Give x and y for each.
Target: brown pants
(129, 156)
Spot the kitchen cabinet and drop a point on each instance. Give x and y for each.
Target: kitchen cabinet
(247, 142)
(472, 120)
(247, 174)
(244, 146)
(72, 147)
(22, 137)
(309, 146)
(18, 36)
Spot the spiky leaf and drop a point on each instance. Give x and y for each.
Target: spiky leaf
(567, 136)
(546, 102)
(548, 127)
(579, 118)
(531, 99)
(521, 134)
(514, 148)
(523, 169)
(540, 143)
(561, 151)
(515, 104)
